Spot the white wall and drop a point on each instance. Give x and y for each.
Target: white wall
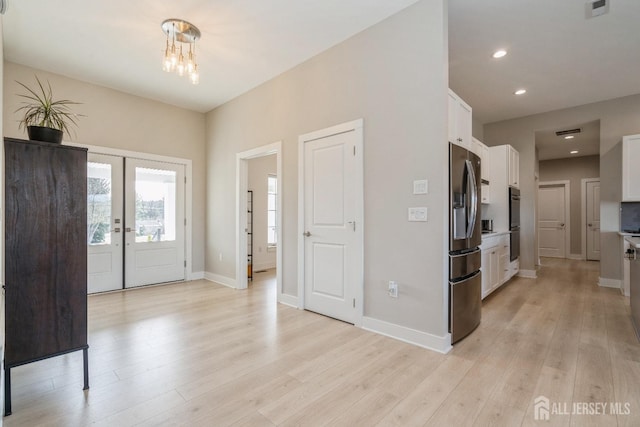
(119, 120)
(258, 170)
(618, 117)
(394, 76)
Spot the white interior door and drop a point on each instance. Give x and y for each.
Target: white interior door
(104, 222)
(552, 221)
(593, 220)
(333, 245)
(154, 222)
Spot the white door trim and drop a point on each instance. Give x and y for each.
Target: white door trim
(242, 185)
(583, 214)
(353, 126)
(188, 196)
(567, 211)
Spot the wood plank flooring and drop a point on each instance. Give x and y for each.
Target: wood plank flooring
(200, 354)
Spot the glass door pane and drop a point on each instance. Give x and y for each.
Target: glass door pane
(98, 203)
(155, 205)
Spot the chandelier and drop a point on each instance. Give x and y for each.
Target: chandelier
(174, 59)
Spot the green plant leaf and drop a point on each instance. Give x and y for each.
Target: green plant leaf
(39, 109)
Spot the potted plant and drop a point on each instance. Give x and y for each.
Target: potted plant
(45, 119)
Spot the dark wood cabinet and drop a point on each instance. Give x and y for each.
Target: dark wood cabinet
(45, 253)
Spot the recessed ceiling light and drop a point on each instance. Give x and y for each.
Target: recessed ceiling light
(499, 53)
(574, 152)
(520, 92)
(569, 137)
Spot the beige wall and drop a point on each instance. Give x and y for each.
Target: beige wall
(122, 121)
(394, 76)
(618, 117)
(572, 170)
(258, 171)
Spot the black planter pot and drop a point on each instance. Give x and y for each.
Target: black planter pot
(39, 133)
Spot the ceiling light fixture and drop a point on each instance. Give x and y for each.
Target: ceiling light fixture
(499, 53)
(574, 152)
(569, 137)
(520, 92)
(174, 60)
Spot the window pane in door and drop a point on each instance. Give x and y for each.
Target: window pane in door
(155, 205)
(98, 203)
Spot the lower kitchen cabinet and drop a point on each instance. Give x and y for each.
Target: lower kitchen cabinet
(496, 267)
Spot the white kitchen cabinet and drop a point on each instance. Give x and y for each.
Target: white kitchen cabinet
(496, 268)
(630, 169)
(505, 266)
(490, 266)
(498, 210)
(459, 121)
(514, 167)
(486, 164)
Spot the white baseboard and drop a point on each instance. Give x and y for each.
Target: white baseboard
(609, 283)
(223, 280)
(290, 300)
(578, 257)
(196, 275)
(528, 274)
(408, 335)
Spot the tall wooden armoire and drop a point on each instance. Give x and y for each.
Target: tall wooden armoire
(45, 254)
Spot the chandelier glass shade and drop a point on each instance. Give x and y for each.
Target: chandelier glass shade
(178, 58)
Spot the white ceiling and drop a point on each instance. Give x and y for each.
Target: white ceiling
(562, 58)
(586, 143)
(559, 56)
(119, 43)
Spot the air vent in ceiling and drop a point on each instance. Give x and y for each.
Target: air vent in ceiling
(568, 132)
(595, 8)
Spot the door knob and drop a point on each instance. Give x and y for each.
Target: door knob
(306, 234)
(590, 225)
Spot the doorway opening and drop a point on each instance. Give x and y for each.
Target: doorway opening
(259, 192)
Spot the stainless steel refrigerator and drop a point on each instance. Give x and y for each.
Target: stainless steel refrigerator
(465, 237)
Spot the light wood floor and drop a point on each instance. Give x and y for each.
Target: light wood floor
(202, 354)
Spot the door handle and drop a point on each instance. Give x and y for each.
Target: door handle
(306, 234)
(590, 225)
(128, 230)
(116, 230)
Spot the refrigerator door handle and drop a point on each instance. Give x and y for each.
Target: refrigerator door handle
(473, 198)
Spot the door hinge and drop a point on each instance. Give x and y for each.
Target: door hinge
(354, 303)
(185, 221)
(185, 262)
(185, 179)
(354, 150)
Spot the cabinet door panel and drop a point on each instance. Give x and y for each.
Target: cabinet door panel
(46, 253)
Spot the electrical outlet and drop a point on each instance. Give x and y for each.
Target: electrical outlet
(393, 289)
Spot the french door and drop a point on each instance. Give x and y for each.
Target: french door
(136, 222)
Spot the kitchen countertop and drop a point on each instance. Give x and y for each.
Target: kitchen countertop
(634, 241)
(623, 234)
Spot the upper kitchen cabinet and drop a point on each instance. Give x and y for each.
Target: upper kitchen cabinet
(513, 167)
(459, 121)
(482, 151)
(630, 170)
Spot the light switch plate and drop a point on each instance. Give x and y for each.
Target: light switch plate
(418, 214)
(420, 186)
